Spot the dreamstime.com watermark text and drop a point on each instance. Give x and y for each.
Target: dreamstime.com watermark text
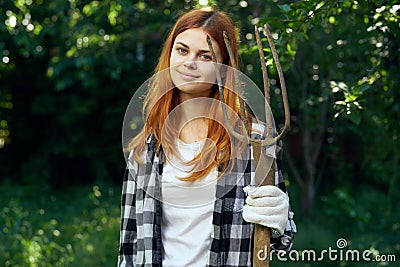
(340, 253)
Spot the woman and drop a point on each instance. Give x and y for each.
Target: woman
(184, 194)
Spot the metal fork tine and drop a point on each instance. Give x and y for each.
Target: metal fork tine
(268, 128)
(237, 81)
(282, 83)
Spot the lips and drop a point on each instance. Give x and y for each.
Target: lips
(187, 76)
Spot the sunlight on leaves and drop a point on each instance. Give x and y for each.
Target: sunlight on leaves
(350, 106)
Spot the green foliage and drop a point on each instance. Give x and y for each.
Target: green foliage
(84, 54)
(372, 226)
(350, 105)
(73, 228)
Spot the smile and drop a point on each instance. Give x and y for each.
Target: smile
(188, 76)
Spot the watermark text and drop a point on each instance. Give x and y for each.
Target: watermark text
(339, 253)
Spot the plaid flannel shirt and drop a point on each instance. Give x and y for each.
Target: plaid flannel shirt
(231, 244)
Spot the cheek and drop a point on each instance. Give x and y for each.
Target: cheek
(208, 70)
(173, 59)
(173, 75)
(212, 76)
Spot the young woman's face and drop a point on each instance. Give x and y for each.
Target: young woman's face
(191, 66)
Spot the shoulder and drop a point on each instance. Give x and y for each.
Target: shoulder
(141, 157)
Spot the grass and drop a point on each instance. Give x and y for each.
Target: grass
(78, 227)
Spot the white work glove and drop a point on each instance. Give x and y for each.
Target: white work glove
(266, 205)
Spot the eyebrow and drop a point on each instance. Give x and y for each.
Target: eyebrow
(186, 46)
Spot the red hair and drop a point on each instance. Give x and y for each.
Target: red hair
(161, 100)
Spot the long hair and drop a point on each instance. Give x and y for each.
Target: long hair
(160, 100)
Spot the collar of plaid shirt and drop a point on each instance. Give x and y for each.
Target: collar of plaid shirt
(231, 245)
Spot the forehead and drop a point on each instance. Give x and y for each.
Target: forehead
(195, 38)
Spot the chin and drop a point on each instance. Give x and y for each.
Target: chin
(201, 89)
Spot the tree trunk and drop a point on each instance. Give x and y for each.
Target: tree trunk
(307, 200)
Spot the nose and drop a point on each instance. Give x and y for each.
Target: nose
(190, 63)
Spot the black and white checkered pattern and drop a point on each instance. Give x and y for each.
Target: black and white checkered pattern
(231, 245)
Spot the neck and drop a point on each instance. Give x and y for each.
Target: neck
(193, 114)
(194, 131)
(191, 108)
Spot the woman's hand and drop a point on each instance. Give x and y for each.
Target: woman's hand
(266, 205)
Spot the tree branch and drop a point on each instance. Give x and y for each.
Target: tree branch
(293, 169)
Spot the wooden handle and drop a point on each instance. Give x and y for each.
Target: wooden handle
(262, 234)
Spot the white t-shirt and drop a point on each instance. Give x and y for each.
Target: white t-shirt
(187, 211)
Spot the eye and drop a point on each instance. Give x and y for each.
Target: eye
(181, 50)
(205, 57)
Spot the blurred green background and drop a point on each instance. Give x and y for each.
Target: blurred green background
(68, 70)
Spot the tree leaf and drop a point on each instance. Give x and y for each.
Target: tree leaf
(285, 7)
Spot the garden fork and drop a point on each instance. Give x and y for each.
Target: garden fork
(261, 233)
